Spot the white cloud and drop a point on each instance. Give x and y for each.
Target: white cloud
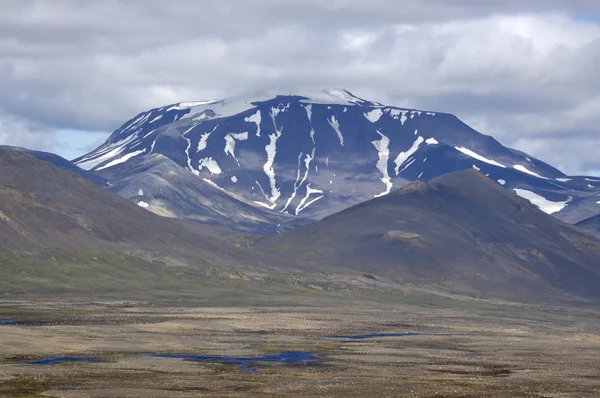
(525, 73)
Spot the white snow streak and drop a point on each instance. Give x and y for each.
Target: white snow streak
(105, 154)
(525, 170)
(309, 191)
(544, 204)
(478, 157)
(187, 149)
(122, 160)
(307, 161)
(336, 126)
(403, 156)
(563, 179)
(431, 141)
(408, 165)
(152, 146)
(293, 195)
(143, 204)
(308, 109)
(383, 151)
(271, 150)
(141, 192)
(156, 119)
(501, 182)
(476, 168)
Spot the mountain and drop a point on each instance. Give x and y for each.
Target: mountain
(461, 233)
(314, 154)
(162, 186)
(61, 163)
(45, 207)
(591, 225)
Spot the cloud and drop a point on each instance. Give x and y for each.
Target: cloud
(521, 71)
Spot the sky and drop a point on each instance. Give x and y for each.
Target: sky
(525, 72)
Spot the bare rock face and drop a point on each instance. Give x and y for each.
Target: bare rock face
(400, 235)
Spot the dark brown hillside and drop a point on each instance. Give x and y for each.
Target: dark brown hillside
(591, 225)
(42, 206)
(460, 232)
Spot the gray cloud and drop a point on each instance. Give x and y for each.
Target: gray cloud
(521, 71)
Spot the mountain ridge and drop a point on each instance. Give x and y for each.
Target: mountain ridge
(312, 157)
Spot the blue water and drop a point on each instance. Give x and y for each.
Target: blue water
(7, 322)
(373, 336)
(245, 363)
(53, 361)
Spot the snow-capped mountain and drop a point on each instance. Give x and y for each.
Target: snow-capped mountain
(314, 154)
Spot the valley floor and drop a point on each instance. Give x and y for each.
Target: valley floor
(492, 351)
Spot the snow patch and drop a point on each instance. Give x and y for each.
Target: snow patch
(408, 165)
(143, 204)
(155, 119)
(476, 168)
(336, 126)
(293, 195)
(544, 204)
(383, 151)
(271, 150)
(234, 179)
(105, 154)
(210, 164)
(403, 156)
(141, 192)
(525, 170)
(563, 179)
(431, 141)
(230, 140)
(152, 146)
(256, 119)
(186, 105)
(398, 113)
(502, 182)
(187, 148)
(121, 160)
(308, 109)
(374, 115)
(478, 157)
(309, 191)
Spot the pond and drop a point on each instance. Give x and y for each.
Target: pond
(377, 335)
(243, 363)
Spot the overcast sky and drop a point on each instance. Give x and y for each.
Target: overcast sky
(526, 72)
